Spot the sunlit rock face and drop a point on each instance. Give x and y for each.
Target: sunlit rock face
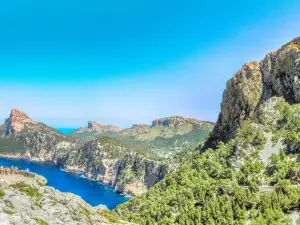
(278, 74)
(93, 126)
(17, 121)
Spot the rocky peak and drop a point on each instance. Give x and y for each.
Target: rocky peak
(17, 121)
(256, 82)
(93, 126)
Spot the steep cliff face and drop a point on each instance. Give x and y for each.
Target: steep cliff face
(276, 75)
(93, 126)
(113, 162)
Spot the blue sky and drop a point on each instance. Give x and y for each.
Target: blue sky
(123, 62)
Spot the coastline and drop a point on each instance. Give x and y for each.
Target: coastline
(66, 170)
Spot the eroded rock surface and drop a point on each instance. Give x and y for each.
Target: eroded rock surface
(27, 201)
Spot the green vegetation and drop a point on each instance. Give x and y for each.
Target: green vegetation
(152, 144)
(288, 125)
(27, 189)
(86, 212)
(7, 211)
(282, 167)
(53, 202)
(110, 216)
(40, 183)
(12, 145)
(38, 204)
(40, 221)
(220, 186)
(2, 193)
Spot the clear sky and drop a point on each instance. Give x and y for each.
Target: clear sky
(123, 62)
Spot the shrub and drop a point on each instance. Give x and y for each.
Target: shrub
(40, 221)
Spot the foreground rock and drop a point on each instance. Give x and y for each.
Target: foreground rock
(26, 200)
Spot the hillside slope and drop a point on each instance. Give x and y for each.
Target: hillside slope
(163, 138)
(260, 125)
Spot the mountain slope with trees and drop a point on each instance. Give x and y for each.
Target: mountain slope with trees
(221, 184)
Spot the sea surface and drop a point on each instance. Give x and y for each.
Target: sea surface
(66, 130)
(92, 192)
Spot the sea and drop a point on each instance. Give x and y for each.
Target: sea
(93, 192)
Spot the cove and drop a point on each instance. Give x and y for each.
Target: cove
(92, 192)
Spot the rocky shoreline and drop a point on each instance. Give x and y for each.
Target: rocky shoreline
(26, 200)
(69, 169)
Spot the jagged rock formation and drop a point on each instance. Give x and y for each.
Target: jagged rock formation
(93, 126)
(27, 201)
(19, 121)
(256, 82)
(16, 122)
(105, 159)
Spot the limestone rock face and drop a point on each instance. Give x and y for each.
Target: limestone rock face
(93, 126)
(46, 205)
(256, 82)
(175, 121)
(108, 160)
(17, 121)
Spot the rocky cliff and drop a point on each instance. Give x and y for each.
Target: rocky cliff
(114, 163)
(26, 200)
(276, 75)
(96, 127)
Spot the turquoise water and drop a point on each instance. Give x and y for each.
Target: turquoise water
(66, 130)
(93, 192)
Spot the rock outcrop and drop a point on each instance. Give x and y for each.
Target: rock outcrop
(28, 201)
(177, 121)
(17, 121)
(276, 75)
(93, 126)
